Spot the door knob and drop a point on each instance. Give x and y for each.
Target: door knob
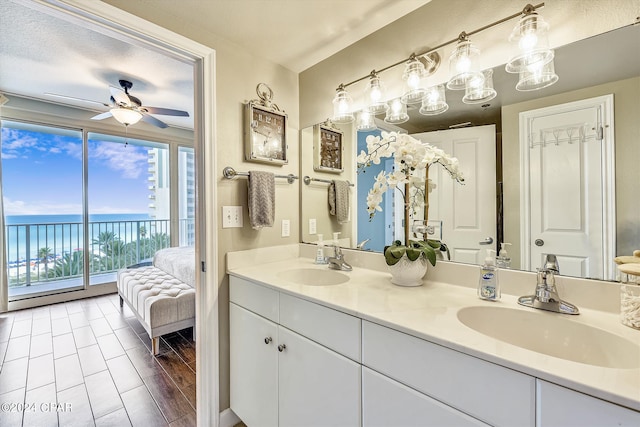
(281, 348)
(487, 241)
(539, 242)
(267, 340)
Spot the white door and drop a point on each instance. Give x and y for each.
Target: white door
(254, 367)
(567, 172)
(467, 212)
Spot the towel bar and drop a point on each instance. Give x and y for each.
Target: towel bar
(231, 173)
(307, 180)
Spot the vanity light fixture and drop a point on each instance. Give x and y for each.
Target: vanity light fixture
(126, 116)
(530, 41)
(342, 113)
(397, 113)
(435, 102)
(537, 76)
(463, 64)
(375, 95)
(366, 121)
(530, 61)
(479, 90)
(413, 92)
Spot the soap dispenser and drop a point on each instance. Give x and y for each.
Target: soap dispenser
(488, 287)
(336, 239)
(320, 258)
(503, 260)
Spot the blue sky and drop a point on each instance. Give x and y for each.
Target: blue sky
(42, 175)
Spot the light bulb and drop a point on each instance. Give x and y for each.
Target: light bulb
(413, 80)
(375, 94)
(528, 41)
(396, 106)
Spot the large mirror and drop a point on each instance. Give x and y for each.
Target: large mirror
(605, 64)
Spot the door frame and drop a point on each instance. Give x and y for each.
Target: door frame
(605, 126)
(132, 29)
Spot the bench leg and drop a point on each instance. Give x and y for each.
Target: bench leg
(121, 301)
(155, 345)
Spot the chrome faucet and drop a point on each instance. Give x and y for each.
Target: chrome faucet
(337, 262)
(360, 246)
(546, 295)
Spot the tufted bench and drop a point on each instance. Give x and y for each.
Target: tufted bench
(161, 295)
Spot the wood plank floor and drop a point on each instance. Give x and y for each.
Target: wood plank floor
(86, 363)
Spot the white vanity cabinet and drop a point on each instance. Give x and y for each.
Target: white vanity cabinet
(561, 407)
(288, 369)
(487, 392)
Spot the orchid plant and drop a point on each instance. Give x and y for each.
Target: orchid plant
(412, 160)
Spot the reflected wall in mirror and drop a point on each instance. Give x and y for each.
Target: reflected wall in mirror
(615, 69)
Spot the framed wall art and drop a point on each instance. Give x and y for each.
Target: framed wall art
(265, 129)
(328, 149)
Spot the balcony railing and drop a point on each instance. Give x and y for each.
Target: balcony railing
(40, 253)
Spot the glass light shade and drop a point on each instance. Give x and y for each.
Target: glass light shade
(413, 90)
(365, 121)
(342, 107)
(126, 116)
(537, 77)
(397, 113)
(463, 65)
(530, 43)
(435, 102)
(480, 90)
(374, 95)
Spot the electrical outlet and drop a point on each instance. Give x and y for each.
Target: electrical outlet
(231, 216)
(286, 228)
(312, 226)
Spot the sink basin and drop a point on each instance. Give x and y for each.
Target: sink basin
(553, 335)
(313, 276)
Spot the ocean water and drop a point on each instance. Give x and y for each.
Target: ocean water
(64, 233)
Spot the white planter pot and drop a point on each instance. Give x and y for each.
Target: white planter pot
(408, 273)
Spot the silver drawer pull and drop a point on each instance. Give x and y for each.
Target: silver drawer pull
(281, 348)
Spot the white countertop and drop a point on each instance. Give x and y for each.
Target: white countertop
(430, 312)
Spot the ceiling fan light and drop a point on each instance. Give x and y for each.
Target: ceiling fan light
(397, 113)
(480, 90)
(463, 64)
(536, 78)
(530, 43)
(342, 105)
(435, 102)
(374, 95)
(126, 116)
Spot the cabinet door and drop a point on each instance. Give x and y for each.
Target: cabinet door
(253, 367)
(559, 406)
(318, 387)
(388, 403)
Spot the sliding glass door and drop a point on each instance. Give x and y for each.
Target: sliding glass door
(42, 179)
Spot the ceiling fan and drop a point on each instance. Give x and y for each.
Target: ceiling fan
(128, 109)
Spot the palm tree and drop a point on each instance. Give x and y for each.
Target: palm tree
(69, 265)
(43, 257)
(106, 241)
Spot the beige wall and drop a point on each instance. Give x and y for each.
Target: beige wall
(626, 94)
(439, 22)
(237, 74)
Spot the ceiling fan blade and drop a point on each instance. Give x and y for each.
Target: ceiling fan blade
(102, 116)
(166, 111)
(76, 99)
(153, 121)
(120, 96)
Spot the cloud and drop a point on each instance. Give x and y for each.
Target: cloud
(20, 207)
(15, 142)
(130, 161)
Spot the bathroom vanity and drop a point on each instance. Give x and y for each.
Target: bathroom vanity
(312, 346)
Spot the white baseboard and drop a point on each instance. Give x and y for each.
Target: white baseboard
(228, 418)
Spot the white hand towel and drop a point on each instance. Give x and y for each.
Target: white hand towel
(339, 200)
(261, 199)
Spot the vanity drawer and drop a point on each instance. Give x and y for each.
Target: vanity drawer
(491, 393)
(333, 329)
(256, 298)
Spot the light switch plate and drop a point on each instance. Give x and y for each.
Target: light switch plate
(232, 217)
(286, 228)
(312, 226)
